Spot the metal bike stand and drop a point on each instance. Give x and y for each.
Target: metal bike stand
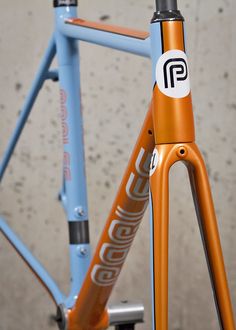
(125, 315)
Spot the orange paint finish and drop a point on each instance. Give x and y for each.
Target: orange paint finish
(188, 153)
(174, 139)
(172, 117)
(173, 35)
(109, 28)
(120, 229)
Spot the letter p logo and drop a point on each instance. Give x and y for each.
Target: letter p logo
(172, 74)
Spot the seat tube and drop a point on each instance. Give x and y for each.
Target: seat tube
(74, 191)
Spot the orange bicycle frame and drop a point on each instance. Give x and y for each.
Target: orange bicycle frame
(167, 136)
(169, 127)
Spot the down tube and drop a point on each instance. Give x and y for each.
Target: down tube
(121, 226)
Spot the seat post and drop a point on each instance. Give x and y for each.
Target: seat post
(65, 3)
(166, 5)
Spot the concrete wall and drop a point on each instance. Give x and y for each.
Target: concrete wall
(116, 90)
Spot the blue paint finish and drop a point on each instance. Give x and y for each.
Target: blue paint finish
(74, 169)
(63, 199)
(79, 260)
(156, 47)
(52, 74)
(33, 262)
(74, 189)
(102, 38)
(29, 102)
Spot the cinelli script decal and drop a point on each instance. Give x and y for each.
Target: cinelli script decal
(65, 135)
(124, 226)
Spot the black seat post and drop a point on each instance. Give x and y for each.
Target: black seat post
(166, 5)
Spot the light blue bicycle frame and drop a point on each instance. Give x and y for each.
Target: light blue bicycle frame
(73, 194)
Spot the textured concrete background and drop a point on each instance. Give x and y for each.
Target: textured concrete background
(116, 90)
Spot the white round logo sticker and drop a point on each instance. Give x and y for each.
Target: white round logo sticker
(172, 74)
(154, 162)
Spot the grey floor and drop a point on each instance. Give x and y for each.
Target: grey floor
(116, 90)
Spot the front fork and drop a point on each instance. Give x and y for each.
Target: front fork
(174, 141)
(165, 157)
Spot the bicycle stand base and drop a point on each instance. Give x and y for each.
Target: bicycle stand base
(125, 315)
